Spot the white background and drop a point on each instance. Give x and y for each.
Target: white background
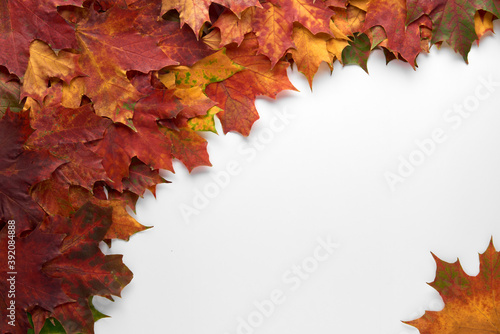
(319, 176)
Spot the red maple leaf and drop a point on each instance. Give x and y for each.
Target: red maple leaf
(31, 286)
(85, 271)
(22, 21)
(19, 170)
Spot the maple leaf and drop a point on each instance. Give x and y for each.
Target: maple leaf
(57, 199)
(64, 132)
(391, 15)
(112, 34)
(471, 302)
(19, 170)
(273, 24)
(94, 273)
(44, 64)
(180, 45)
(195, 12)
(311, 50)
(357, 52)
(187, 146)
(106, 57)
(238, 113)
(10, 92)
(23, 21)
(236, 95)
(273, 31)
(32, 286)
(123, 224)
(453, 20)
(232, 28)
(120, 144)
(147, 142)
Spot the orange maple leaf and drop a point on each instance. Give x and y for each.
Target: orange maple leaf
(471, 302)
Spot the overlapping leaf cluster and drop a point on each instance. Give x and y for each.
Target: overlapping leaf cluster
(98, 95)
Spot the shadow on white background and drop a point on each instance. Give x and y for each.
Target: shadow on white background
(235, 247)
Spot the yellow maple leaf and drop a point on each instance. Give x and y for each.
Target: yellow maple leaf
(311, 51)
(45, 64)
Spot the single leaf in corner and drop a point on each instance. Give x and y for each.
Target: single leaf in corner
(471, 302)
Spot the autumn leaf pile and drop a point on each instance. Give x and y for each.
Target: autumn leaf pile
(97, 96)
